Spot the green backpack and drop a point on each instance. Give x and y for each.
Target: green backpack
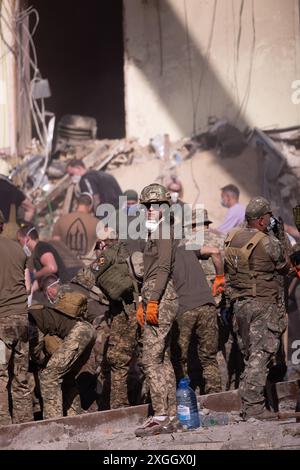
(112, 273)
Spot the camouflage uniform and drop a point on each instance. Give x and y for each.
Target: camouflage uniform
(229, 356)
(14, 357)
(252, 260)
(211, 239)
(204, 321)
(121, 347)
(156, 352)
(260, 326)
(123, 326)
(57, 380)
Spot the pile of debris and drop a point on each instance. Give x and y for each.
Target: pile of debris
(49, 186)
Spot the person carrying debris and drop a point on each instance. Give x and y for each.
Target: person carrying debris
(157, 311)
(14, 346)
(253, 258)
(112, 276)
(65, 347)
(102, 186)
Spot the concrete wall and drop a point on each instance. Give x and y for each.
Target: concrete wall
(186, 60)
(7, 81)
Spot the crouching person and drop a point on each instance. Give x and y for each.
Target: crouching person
(65, 347)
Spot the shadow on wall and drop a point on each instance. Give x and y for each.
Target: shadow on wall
(205, 95)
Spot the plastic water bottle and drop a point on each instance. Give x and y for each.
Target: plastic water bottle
(187, 408)
(214, 419)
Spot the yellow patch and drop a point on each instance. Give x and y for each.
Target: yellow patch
(101, 261)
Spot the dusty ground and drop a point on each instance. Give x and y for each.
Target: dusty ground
(252, 435)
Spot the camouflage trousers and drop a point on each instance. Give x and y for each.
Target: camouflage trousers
(121, 348)
(14, 361)
(259, 326)
(59, 389)
(203, 322)
(158, 369)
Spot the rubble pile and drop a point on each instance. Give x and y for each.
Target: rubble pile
(276, 151)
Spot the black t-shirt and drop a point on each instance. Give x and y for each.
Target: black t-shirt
(189, 281)
(9, 194)
(51, 322)
(103, 184)
(44, 247)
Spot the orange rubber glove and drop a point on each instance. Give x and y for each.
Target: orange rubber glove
(218, 285)
(152, 312)
(140, 315)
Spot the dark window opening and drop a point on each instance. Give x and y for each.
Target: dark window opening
(80, 50)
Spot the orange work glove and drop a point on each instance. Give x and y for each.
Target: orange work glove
(218, 285)
(152, 312)
(140, 315)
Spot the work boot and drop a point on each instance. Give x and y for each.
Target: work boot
(264, 415)
(152, 426)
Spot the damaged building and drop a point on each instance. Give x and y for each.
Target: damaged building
(204, 91)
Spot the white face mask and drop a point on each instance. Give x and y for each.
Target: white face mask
(27, 251)
(174, 197)
(151, 225)
(76, 179)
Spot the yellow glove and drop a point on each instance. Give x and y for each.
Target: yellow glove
(140, 315)
(152, 312)
(218, 285)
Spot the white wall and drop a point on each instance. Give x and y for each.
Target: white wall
(7, 83)
(183, 64)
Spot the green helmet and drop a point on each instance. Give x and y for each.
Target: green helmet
(257, 207)
(155, 193)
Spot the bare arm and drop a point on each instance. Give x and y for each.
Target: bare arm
(29, 209)
(49, 266)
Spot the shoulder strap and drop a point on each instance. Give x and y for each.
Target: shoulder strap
(231, 235)
(252, 243)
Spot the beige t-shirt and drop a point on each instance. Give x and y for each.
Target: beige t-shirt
(78, 231)
(13, 298)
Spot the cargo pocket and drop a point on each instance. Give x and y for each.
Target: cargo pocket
(274, 331)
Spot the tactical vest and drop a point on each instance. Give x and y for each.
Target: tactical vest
(112, 272)
(245, 274)
(73, 304)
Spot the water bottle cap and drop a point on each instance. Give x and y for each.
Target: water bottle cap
(184, 383)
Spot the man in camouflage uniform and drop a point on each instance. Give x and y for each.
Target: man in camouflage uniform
(92, 380)
(196, 314)
(67, 340)
(14, 346)
(157, 312)
(252, 260)
(121, 314)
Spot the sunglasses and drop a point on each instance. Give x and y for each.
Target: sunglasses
(154, 205)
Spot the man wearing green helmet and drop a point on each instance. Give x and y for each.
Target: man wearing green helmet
(157, 312)
(253, 260)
